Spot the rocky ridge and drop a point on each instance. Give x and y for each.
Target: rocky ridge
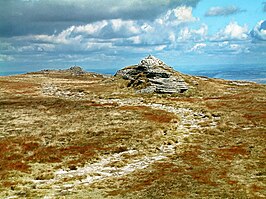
(152, 75)
(74, 70)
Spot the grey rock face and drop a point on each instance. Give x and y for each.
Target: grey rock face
(153, 75)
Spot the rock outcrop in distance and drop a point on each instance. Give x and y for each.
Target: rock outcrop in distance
(152, 75)
(74, 70)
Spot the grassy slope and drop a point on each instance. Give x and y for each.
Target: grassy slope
(41, 133)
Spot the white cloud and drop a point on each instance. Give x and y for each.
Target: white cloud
(98, 46)
(222, 44)
(232, 31)
(47, 15)
(115, 28)
(6, 57)
(239, 48)
(235, 46)
(91, 29)
(170, 32)
(46, 47)
(147, 28)
(186, 34)
(6, 46)
(164, 30)
(135, 40)
(129, 26)
(114, 34)
(36, 47)
(55, 39)
(177, 16)
(183, 14)
(222, 11)
(124, 28)
(198, 47)
(160, 47)
(259, 31)
(173, 32)
(172, 37)
(202, 31)
(26, 48)
(227, 48)
(235, 31)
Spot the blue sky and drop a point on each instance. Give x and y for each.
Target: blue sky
(109, 34)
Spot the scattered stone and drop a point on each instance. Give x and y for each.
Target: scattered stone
(53, 90)
(152, 75)
(240, 83)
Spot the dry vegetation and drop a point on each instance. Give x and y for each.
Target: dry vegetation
(214, 134)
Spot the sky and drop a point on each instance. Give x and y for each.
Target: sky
(109, 34)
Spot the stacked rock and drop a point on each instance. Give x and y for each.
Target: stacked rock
(153, 75)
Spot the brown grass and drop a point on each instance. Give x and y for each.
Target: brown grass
(157, 116)
(232, 152)
(191, 155)
(13, 155)
(104, 104)
(57, 133)
(17, 85)
(203, 175)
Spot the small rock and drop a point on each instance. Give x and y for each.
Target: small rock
(72, 167)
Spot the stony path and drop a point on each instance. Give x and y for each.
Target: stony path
(97, 171)
(103, 169)
(53, 90)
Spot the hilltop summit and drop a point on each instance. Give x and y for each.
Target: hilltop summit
(75, 70)
(151, 61)
(152, 75)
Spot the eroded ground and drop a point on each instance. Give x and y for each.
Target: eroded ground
(90, 136)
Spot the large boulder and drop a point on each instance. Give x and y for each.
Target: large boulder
(152, 75)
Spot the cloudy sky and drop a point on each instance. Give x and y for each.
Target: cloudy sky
(109, 34)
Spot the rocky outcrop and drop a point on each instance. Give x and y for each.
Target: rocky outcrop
(76, 70)
(152, 75)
